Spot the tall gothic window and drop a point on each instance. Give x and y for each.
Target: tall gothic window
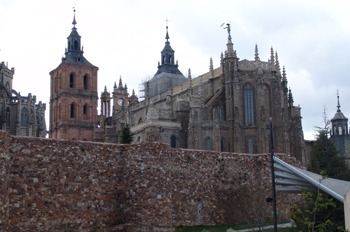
(250, 146)
(8, 116)
(208, 144)
(248, 104)
(173, 141)
(340, 130)
(222, 144)
(24, 117)
(220, 110)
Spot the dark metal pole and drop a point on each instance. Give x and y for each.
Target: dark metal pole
(273, 180)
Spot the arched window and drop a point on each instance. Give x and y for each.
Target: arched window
(86, 82)
(8, 116)
(140, 121)
(71, 80)
(72, 110)
(219, 107)
(208, 144)
(340, 130)
(170, 60)
(248, 104)
(334, 130)
(24, 117)
(75, 45)
(173, 141)
(139, 139)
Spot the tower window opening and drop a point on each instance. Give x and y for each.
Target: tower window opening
(85, 81)
(71, 80)
(170, 60)
(72, 110)
(75, 45)
(340, 130)
(85, 109)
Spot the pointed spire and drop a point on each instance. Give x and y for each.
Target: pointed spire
(74, 21)
(278, 65)
(105, 88)
(115, 85)
(133, 92)
(222, 58)
(284, 75)
(120, 86)
(211, 64)
(125, 87)
(256, 53)
(338, 106)
(272, 58)
(189, 80)
(167, 34)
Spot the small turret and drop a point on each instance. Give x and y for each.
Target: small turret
(339, 123)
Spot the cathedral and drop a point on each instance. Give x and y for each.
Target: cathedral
(19, 115)
(226, 109)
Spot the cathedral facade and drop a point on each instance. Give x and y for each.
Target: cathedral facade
(226, 109)
(19, 115)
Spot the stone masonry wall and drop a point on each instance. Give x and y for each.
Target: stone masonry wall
(57, 185)
(4, 180)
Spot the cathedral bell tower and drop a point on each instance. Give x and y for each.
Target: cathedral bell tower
(73, 94)
(120, 97)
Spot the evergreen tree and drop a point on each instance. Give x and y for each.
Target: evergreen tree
(126, 136)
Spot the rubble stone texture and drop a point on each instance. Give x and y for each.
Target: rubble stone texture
(58, 185)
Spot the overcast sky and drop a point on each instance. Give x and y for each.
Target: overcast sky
(124, 38)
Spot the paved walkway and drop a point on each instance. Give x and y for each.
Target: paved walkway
(289, 224)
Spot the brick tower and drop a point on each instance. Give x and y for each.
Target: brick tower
(73, 98)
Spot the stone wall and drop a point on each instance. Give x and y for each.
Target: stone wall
(56, 185)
